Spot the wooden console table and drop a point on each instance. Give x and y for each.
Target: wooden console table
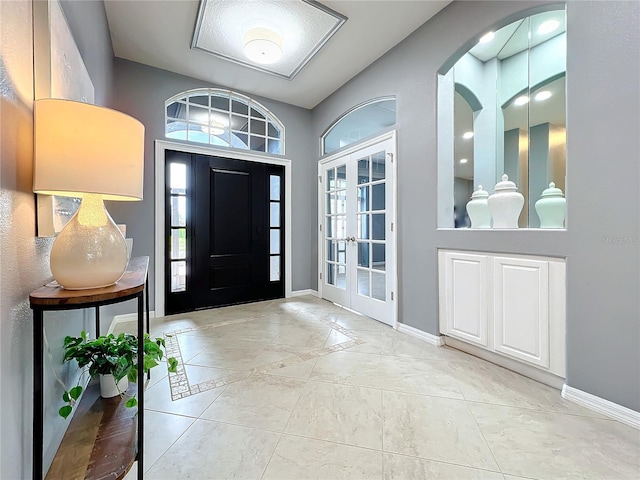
(133, 285)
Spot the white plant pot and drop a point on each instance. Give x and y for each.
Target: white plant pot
(108, 386)
(505, 204)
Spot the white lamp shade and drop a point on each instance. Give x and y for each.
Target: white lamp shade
(82, 148)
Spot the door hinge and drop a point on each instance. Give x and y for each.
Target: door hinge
(392, 226)
(391, 295)
(320, 178)
(320, 227)
(390, 155)
(320, 275)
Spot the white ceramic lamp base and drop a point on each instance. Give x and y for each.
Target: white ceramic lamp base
(90, 251)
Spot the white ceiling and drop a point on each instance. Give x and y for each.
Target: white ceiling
(159, 33)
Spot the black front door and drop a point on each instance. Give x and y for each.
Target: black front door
(233, 233)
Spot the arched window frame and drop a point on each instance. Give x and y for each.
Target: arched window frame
(261, 132)
(346, 115)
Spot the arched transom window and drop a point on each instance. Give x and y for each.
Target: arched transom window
(225, 119)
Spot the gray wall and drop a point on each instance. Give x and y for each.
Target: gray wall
(141, 91)
(601, 243)
(24, 258)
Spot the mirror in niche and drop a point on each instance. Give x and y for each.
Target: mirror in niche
(509, 114)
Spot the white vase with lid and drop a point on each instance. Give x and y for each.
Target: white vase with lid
(478, 209)
(505, 204)
(551, 207)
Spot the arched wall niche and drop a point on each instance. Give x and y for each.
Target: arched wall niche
(514, 83)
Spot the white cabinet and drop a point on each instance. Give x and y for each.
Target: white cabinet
(512, 305)
(467, 317)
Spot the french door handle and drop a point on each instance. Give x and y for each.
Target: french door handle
(351, 239)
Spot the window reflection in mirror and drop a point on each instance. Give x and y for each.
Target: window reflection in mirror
(509, 113)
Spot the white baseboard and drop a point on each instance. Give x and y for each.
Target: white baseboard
(126, 317)
(514, 365)
(301, 293)
(436, 340)
(602, 406)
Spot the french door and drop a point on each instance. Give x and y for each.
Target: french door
(357, 237)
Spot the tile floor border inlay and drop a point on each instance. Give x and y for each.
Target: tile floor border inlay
(179, 381)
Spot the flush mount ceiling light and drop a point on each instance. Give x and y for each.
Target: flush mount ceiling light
(463, 160)
(523, 100)
(273, 36)
(543, 95)
(467, 135)
(262, 45)
(487, 37)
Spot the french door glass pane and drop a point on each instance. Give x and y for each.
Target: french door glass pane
(331, 274)
(378, 166)
(331, 179)
(341, 226)
(341, 276)
(363, 226)
(331, 203)
(378, 230)
(379, 256)
(330, 226)
(363, 199)
(331, 250)
(342, 252)
(378, 286)
(363, 171)
(341, 175)
(378, 198)
(363, 254)
(341, 201)
(363, 282)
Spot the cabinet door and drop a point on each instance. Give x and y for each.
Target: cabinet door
(521, 309)
(465, 297)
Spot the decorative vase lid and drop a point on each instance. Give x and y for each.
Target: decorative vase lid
(479, 193)
(505, 185)
(552, 191)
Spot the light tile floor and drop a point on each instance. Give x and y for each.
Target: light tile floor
(301, 389)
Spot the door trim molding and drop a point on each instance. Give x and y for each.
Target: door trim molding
(160, 147)
(390, 135)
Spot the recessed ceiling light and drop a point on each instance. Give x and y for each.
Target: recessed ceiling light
(487, 37)
(543, 95)
(523, 100)
(463, 160)
(548, 27)
(262, 45)
(467, 135)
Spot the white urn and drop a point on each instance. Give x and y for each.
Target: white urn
(478, 209)
(551, 207)
(505, 204)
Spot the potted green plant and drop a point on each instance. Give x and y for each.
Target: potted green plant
(115, 359)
